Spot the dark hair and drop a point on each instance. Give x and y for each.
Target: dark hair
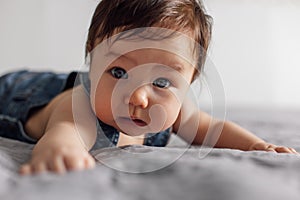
(114, 16)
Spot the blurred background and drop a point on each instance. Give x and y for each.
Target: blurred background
(255, 45)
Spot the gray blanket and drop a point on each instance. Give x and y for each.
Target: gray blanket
(222, 174)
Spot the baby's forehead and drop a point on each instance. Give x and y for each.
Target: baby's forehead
(152, 54)
(151, 38)
(150, 51)
(161, 61)
(163, 46)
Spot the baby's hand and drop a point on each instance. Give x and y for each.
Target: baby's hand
(58, 160)
(263, 146)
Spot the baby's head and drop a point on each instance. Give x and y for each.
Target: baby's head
(140, 89)
(186, 16)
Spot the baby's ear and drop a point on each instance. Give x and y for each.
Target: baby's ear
(196, 74)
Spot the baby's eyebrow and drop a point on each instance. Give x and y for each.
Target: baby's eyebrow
(111, 53)
(117, 55)
(177, 67)
(175, 64)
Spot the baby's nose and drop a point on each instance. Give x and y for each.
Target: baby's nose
(139, 97)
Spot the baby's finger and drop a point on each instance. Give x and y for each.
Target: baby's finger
(293, 150)
(58, 165)
(25, 169)
(270, 149)
(281, 149)
(74, 163)
(90, 162)
(40, 168)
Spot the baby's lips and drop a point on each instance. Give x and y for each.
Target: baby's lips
(139, 122)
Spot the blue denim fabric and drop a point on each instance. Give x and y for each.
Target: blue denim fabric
(20, 94)
(23, 92)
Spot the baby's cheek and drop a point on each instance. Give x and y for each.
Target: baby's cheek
(172, 114)
(103, 108)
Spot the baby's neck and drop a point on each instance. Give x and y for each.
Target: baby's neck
(129, 140)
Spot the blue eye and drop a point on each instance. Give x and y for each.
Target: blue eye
(161, 83)
(118, 73)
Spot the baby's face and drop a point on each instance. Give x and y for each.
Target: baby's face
(141, 91)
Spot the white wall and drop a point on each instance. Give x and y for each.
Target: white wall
(255, 45)
(43, 34)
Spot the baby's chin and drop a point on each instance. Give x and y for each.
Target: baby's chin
(136, 130)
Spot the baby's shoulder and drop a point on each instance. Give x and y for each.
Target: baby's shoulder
(68, 99)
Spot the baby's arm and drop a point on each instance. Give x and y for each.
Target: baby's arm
(63, 147)
(213, 132)
(236, 137)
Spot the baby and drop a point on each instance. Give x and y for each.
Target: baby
(142, 57)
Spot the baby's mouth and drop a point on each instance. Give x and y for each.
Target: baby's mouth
(139, 122)
(136, 121)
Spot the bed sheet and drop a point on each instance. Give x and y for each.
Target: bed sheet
(222, 174)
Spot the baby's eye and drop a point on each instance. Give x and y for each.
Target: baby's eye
(118, 73)
(161, 83)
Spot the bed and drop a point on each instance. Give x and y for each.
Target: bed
(223, 174)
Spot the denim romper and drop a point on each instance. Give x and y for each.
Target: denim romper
(23, 92)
